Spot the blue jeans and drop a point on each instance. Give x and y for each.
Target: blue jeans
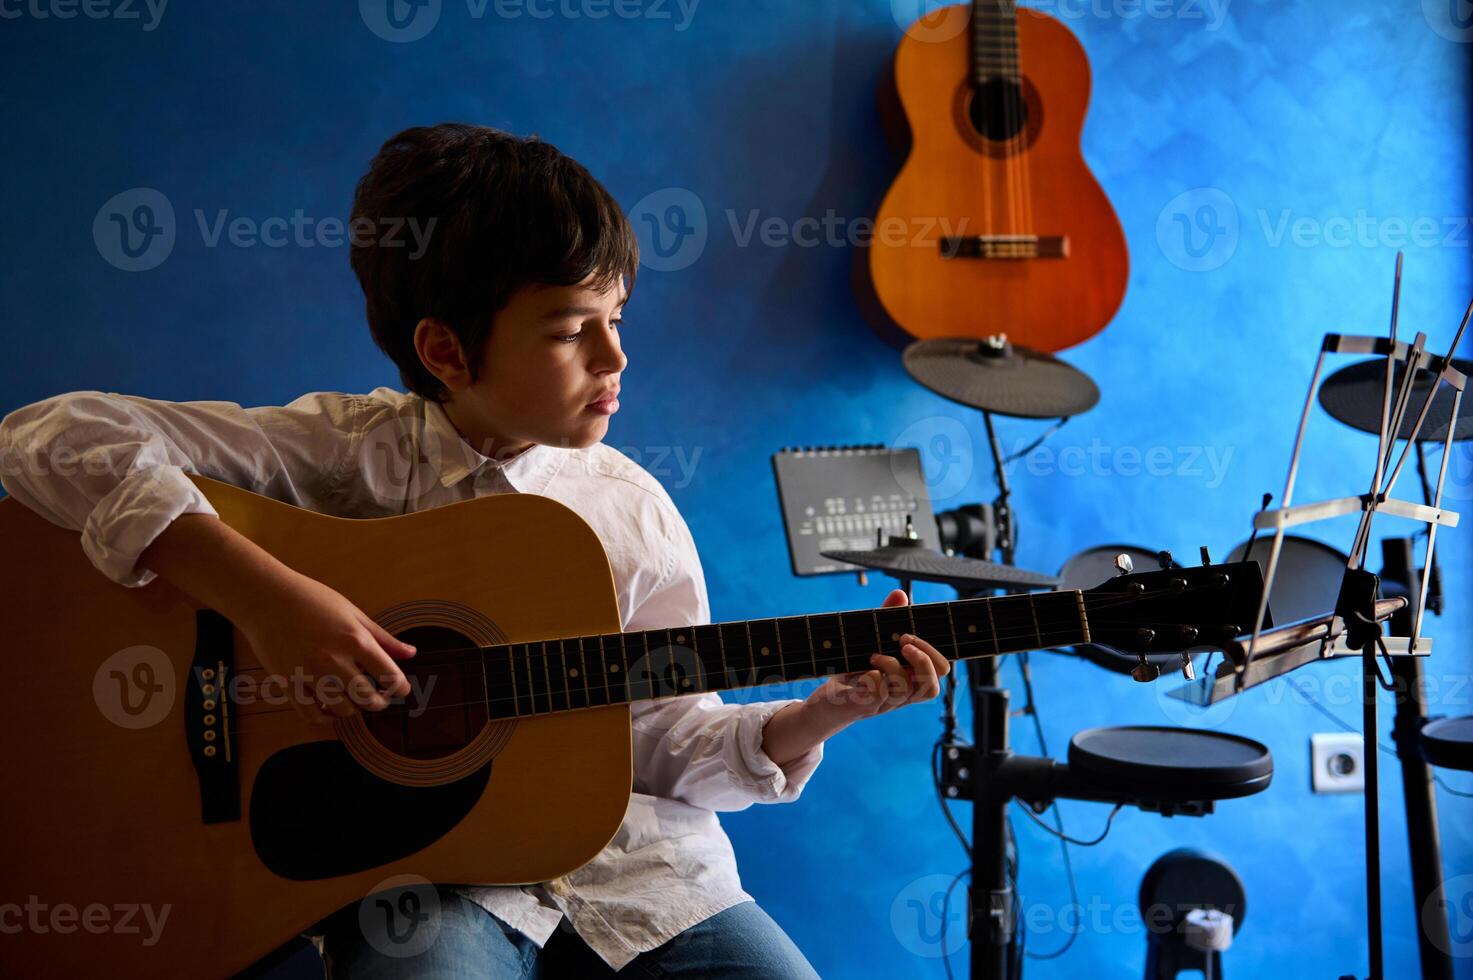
(741, 942)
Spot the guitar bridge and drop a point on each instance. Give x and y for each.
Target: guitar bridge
(1005, 247)
(208, 720)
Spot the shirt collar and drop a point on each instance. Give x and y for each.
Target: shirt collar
(530, 471)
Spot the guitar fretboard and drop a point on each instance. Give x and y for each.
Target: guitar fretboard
(548, 676)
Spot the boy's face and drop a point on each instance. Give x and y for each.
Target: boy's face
(552, 354)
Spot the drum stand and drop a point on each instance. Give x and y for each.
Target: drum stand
(988, 774)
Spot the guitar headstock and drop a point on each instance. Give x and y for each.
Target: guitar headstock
(1175, 608)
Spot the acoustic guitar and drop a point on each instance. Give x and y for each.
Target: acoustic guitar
(153, 771)
(995, 224)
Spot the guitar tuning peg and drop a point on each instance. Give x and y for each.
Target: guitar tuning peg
(1206, 556)
(1164, 559)
(1124, 563)
(1144, 671)
(1187, 670)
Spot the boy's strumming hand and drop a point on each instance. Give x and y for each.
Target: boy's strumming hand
(333, 659)
(320, 651)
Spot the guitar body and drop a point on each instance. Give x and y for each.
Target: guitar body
(103, 810)
(1030, 180)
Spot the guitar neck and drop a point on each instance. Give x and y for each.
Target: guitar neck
(617, 668)
(994, 40)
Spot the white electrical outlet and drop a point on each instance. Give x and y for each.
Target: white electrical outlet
(1337, 762)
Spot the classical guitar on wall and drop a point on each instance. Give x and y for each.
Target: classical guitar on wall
(1026, 242)
(168, 813)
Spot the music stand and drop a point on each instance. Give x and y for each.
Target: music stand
(1354, 628)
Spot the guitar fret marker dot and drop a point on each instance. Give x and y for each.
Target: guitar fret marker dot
(971, 629)
(573, 672)
(766, 651)
(827, 644)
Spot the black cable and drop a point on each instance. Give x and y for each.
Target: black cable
(1031, 709)
(1341, 724)
(945, 914)
(1021, 930)
(1268, 498)
(1385, 684)
(1037, 442)
(1456, 792)
(1074, 840)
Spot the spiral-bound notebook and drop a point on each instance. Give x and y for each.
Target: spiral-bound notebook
(834, 498)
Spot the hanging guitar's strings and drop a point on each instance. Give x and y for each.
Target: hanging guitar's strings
(1016, 53)
(979, 79)
(1000, 44)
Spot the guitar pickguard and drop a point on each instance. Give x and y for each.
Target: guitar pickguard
(316, 813)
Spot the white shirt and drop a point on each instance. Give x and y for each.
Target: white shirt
(112, 467)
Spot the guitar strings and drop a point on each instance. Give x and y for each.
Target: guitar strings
(651, 684)
(513, 699)
(1005, 632)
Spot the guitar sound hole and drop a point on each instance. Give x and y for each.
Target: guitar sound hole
(446, 706)
(998, 111)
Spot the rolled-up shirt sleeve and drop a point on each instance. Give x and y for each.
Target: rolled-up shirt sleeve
(113, 466)
(699, 749)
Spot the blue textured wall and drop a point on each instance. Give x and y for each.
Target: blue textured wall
(1351, 119)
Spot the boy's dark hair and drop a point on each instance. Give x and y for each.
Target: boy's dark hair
(507, 212)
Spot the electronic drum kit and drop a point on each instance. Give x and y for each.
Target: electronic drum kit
(1167, 770)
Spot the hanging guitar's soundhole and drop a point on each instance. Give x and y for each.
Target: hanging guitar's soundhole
(445, 709)
(1000, 116)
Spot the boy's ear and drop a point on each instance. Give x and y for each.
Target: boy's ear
(441, 353)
